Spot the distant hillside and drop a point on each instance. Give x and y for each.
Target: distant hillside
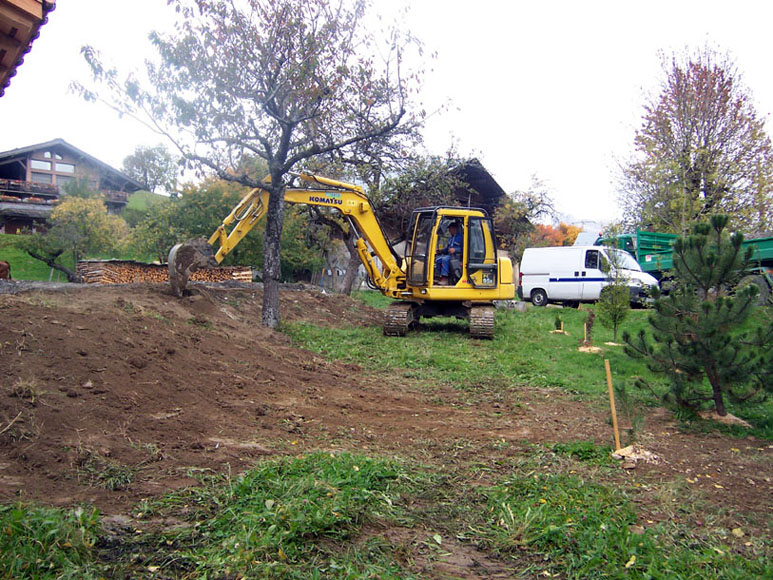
(142, 200)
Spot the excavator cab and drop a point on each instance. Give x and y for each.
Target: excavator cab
(448, 228)
(429, 233)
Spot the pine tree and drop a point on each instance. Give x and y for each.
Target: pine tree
(615, 301)
(696, 326)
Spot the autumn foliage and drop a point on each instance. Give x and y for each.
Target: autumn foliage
(549, 235)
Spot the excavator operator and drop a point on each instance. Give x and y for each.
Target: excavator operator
(453, 248)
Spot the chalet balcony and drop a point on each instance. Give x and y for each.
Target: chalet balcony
(15, 191)
(116, 197)
(12, 190)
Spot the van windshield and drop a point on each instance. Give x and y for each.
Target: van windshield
(624, 260)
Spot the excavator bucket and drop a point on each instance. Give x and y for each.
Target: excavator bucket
(186, 258)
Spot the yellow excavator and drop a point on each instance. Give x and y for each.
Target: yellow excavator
(476, 276)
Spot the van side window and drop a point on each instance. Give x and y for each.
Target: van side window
(592, 259)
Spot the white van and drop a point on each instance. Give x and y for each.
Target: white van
(577, 274)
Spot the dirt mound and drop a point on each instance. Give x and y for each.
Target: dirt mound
(113, 394)
(126, 388)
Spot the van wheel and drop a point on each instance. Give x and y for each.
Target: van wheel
(538, 297)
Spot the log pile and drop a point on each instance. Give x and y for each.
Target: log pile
(128, 272)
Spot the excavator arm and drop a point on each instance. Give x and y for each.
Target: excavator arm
(349, 200)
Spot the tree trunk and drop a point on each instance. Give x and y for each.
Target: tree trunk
(353, 267)
(52, 263)
(272, 270)
(716, 389)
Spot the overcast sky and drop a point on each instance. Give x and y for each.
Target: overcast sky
(552, 88)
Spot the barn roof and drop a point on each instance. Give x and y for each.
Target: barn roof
(488, 194)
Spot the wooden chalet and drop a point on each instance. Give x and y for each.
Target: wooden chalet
(32, 180)
(20, 22)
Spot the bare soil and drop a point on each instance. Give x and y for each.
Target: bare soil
(129, 379)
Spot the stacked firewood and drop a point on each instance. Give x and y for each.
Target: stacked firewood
(127, 272)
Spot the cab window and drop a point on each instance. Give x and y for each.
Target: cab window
(417, 260)
(592, 259)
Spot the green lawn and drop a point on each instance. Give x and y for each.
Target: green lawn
(523, 352)
(23, 267)
(142, 200)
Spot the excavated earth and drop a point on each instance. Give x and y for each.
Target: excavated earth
(131, 379)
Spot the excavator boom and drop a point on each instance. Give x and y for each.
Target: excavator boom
(350, 200)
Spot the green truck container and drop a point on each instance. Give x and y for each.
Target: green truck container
(654, 254)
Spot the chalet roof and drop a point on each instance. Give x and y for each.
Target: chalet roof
(125, 182)
(20, 22)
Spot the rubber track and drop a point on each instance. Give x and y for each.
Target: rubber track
(398, 319)
(482, 322)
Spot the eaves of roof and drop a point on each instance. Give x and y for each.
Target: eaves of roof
(22, 45)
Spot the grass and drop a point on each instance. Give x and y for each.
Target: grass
(39, 542)
(23, 267)
(524, 352)
(321, 515)
(288, 518)
(143, 200)
(581, 529)
(95, 470)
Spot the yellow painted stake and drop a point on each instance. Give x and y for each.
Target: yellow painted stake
(612, 403)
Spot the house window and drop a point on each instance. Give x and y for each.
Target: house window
(65, 167)
(41, 177)
(47, 155)
(61, 180)
(43, 165)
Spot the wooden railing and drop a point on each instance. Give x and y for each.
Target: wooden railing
(23, 189)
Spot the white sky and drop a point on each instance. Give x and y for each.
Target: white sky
(552, 88)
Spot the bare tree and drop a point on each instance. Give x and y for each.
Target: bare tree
(283, 80)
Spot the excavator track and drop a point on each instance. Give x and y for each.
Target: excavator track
(398, 318)
(482, 321)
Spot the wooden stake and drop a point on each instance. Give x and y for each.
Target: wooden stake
(612, 404)
(562, 326)
(585, 333)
